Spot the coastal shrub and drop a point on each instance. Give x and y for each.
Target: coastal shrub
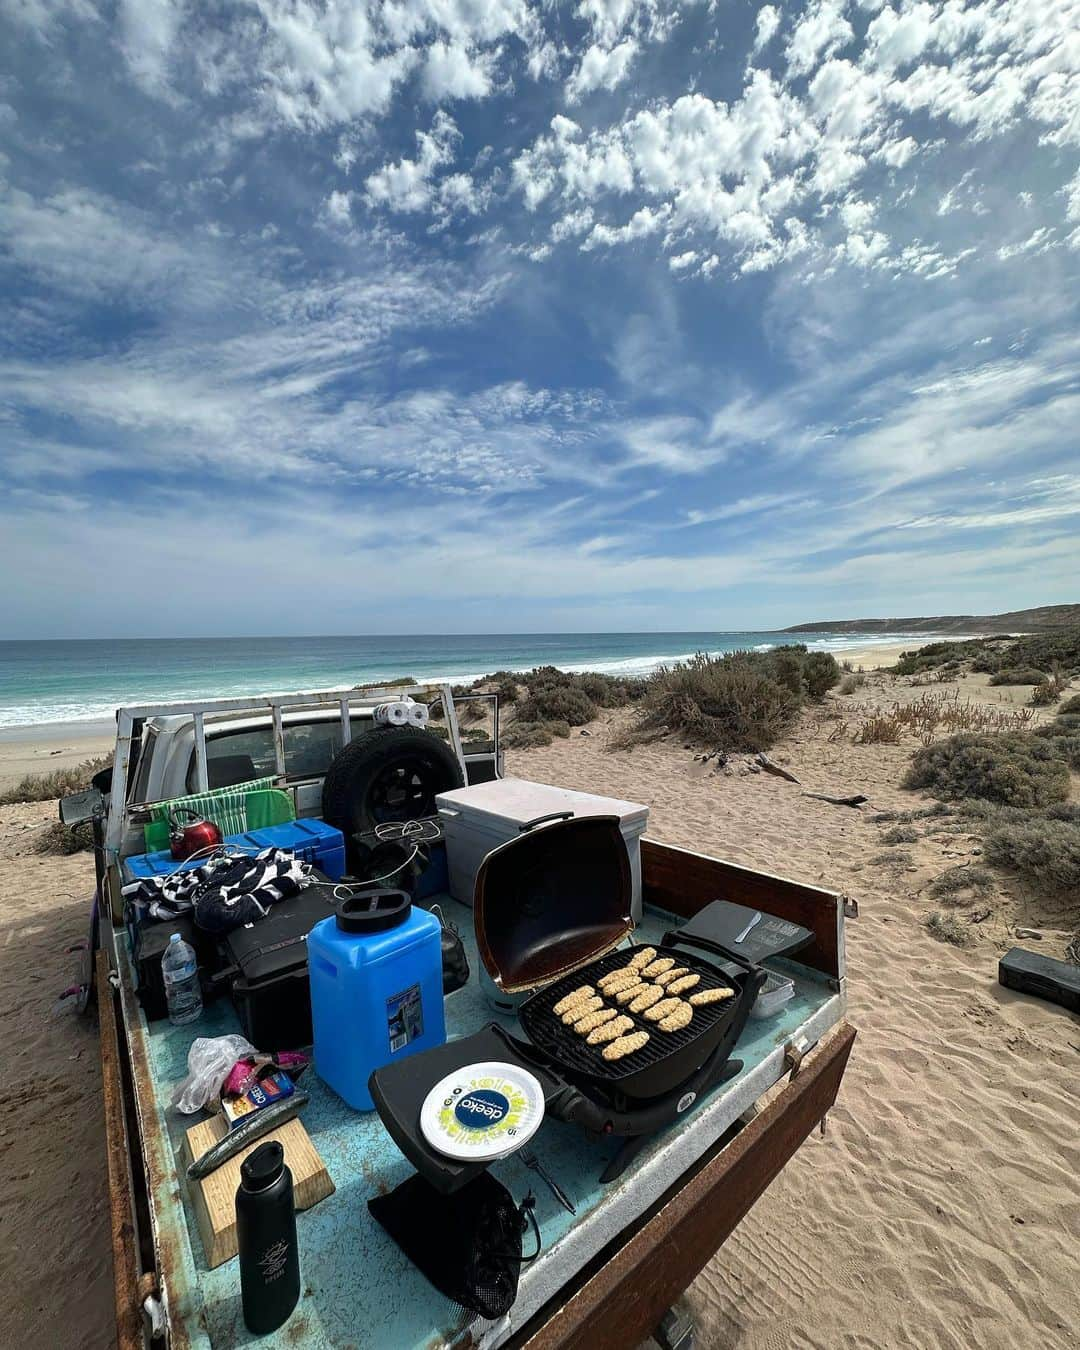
(895, 857)
(563, 703)
(820, 671)
(507, 690)
(1043, 651)
(56, 837)
(1071, 706)
(951, 884)
(881, 729)
(43, 787)
(1018, 675)
(1016, 769)
(521, 735)
(852, 681)
(1045, 852)
(900, 834)
(1046, 693)
(948, 928)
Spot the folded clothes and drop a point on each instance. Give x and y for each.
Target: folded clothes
(226, 892)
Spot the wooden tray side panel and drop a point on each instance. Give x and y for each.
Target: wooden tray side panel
(683, 882)
(623, 1302)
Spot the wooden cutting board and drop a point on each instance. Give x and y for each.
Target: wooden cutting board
(214, 1197)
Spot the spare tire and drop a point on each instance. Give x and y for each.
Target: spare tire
(387, 774)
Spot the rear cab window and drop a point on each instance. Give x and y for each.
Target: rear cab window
(247, 753)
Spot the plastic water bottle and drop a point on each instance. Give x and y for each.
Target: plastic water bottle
(180, 971)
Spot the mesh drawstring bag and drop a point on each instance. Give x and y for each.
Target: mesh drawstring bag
(468, 1245)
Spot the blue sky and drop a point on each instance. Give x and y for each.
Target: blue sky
(489, 315)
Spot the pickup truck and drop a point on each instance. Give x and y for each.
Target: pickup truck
(609, 1275)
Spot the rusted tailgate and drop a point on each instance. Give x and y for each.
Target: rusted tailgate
(129, 1317)
(623, 1300)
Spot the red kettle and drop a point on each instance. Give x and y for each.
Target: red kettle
(196, 836)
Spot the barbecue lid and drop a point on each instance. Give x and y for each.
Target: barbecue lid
(552, 899)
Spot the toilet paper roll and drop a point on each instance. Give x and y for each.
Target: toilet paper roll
(393, 714)
(418, 715)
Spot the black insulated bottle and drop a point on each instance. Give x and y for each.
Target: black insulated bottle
(266, 1236)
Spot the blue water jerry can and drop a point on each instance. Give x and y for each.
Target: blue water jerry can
(376, 989)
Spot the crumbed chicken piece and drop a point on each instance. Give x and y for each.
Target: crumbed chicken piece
(661, 1009)
(610, 1031)
(648, 996)
(576, 996)
(675, 1021)
(705, 996)
(681, 985)
(594, 1019)
(666, 976)
(578, 1010)
(642, 958)
(618, 979)
(625, 1045)
(657, 967)
(624, 996)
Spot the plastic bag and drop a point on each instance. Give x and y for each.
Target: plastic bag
(209, 1061)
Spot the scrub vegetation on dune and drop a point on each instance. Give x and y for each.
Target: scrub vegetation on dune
(740, 701)
(44, 787)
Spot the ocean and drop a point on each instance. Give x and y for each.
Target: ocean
(86, 681)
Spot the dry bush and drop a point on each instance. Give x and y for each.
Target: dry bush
(855, 680)
(43, 787)
(948, 928)
(951, 885)
(1013, 769)
(56, 837)
(1018, 675)
(1071, 706)
(930, 714)
(520, 735)
(896, 857)
(729, 701)
(900, 834)
(562, 703)
(1043, 851)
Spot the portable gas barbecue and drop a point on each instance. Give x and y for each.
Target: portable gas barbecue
(550, 910)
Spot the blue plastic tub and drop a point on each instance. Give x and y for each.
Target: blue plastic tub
(375, 970)
(311, 840)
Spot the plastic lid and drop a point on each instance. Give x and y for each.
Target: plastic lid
(263, 1166)
(175, 937)
(482, 1112)
(373, 911)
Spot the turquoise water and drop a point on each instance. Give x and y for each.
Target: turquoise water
(62, 681)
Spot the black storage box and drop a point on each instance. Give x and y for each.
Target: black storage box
(150, 943)
(266, 964)
(1031, 973)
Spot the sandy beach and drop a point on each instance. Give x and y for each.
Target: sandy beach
(939, 1210)
(54, 745)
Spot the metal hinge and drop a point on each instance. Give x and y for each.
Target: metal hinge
(794, 1053)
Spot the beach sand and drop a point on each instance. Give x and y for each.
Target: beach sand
(58, 745)
(941, 1208)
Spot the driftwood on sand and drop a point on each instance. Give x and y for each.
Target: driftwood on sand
(770, 766)
(856, 800)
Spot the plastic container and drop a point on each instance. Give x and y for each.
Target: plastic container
(311, 840)
(180, 975)
(266, 1239)
(775, 992)
(476, 820)
(375, 971)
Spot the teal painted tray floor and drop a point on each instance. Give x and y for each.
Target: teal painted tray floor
(357, 1288)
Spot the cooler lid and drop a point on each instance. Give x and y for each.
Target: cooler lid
(552, 899)
(518, 800)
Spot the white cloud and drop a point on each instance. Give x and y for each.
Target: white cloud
(408, 184)
(148, 30)
(821, 31)
(601, 68)
(450, 71)
(765, 26)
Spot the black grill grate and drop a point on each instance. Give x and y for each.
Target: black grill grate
(548, 1031)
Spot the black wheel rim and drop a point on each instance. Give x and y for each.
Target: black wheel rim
(404, 790)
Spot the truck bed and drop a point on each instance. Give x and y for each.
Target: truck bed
(357, 1288)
